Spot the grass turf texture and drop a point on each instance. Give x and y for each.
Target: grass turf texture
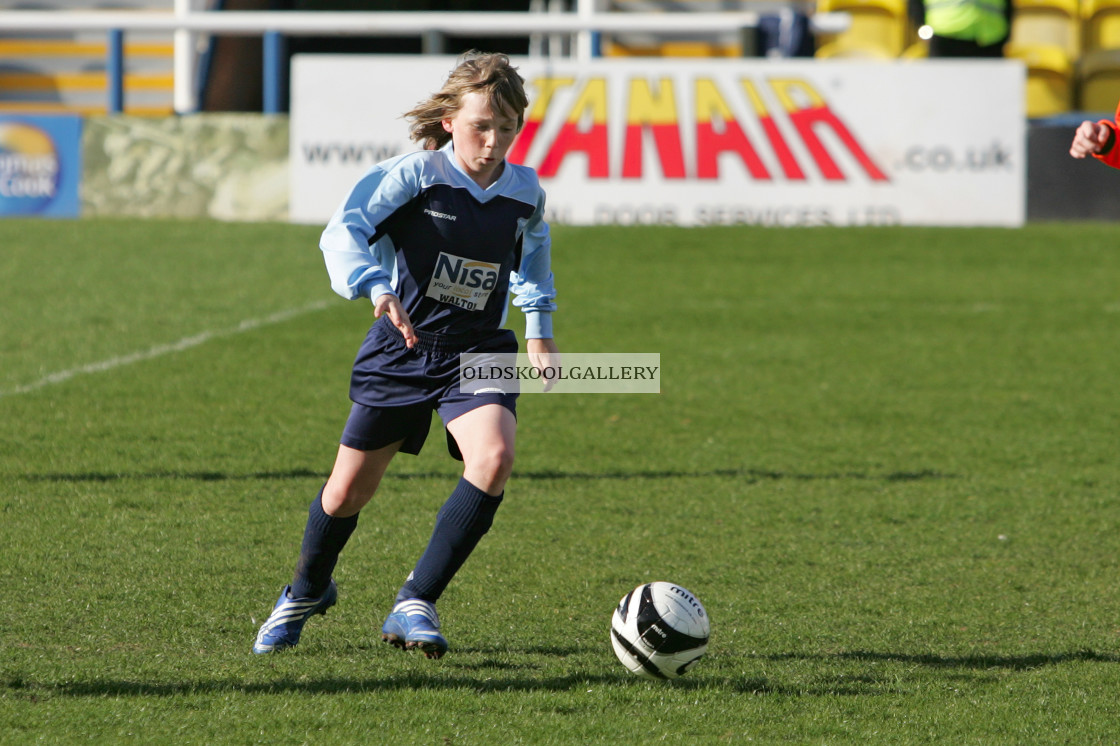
(884, 459)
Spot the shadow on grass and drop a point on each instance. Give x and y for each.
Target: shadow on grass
(865, 685)
(441, 681)
(304, 685)
(1025, 662)
(748, 475)
(491, 676)
(496, 677)
(834, 686)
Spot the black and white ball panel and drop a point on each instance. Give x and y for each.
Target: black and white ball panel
(668, 624)
(659, 630)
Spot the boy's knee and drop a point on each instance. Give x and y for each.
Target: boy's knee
(489, 469)
(344, 500)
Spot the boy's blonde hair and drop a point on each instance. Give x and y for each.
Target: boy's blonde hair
(489, 74)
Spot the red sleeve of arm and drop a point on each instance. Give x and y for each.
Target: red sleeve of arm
(1110, 153)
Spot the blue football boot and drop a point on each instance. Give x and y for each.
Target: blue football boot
(414, 625)
(282, 628)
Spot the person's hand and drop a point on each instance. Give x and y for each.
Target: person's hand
(391, 304)
(545, 357)
(1089, 138)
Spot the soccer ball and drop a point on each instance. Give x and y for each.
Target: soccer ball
(659, 630)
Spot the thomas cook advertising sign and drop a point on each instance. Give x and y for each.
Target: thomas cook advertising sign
(40, 165)
(703, 142)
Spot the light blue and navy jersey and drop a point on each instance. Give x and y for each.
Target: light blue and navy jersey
(419, 227)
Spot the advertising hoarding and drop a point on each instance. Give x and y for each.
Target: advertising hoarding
(40, 165)
(700, 142)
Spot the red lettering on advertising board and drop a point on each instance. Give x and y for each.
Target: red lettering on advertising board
(585, 131)
(785, 156)
(815, 111)
(652, 115)
(545, 89)
(657, 114)
(717, 131)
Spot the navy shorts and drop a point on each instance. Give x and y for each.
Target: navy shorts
(395, 390)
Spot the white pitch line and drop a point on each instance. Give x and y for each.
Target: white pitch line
(185, 343)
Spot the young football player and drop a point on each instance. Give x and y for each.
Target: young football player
(438, 240)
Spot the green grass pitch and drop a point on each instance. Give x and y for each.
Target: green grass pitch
(885, 460)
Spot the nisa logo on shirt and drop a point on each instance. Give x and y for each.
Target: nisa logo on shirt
(465, 283)
(466, 274)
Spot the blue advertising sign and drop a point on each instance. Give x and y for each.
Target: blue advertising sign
(40, 165)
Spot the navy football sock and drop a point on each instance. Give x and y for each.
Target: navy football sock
(323, 539)
(461, 522)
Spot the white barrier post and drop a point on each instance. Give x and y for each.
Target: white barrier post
(585, 10)
(184, 98)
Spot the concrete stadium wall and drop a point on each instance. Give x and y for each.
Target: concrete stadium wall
(221, 166)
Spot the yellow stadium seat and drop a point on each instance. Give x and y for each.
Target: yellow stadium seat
(1101, 23)
(1099, 77)
(881, 24)
(1049, 77)
(68, 75)
(918, 50)
(1053, 22)
(672, 48)
(851, 49)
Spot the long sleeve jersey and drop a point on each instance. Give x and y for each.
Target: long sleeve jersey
(419, 227)
(1110, 154)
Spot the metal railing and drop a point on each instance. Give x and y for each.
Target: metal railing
(585, 23)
